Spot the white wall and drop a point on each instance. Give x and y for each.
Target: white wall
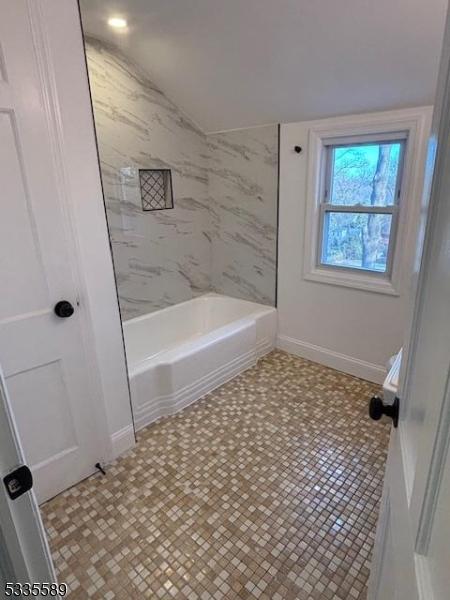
(352, 330)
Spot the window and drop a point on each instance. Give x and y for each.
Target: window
(364, 182)
(360, 203)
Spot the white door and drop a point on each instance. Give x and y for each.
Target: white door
(42, 355)
(412, 549)
(24, 553)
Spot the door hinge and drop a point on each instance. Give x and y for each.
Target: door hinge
(18, 482)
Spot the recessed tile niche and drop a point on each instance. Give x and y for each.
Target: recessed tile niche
(156, 189)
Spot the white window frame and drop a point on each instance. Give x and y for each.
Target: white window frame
(393, 210)
(410, 127)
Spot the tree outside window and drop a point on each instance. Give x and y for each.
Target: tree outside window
(360, 204)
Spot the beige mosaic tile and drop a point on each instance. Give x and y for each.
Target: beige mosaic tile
(267, 488)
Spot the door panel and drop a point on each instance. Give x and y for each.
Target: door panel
(46, 384)
(385, 579)
(43, 356)
(394, 545)
(438, 549)
(17, 231)
(412, 547)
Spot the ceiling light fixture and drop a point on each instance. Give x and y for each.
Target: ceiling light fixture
(117, 22)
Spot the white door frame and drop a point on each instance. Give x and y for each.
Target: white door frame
(24, 552)
(428, 473)
(412, 485)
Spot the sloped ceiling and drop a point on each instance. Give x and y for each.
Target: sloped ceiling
(239, 63)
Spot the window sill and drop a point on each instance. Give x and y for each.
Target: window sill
(358, 281)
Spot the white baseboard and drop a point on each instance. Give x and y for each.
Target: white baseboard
(335, 360)
(122, 440)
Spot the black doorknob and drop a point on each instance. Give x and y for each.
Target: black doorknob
(63, 309)
(377, 409)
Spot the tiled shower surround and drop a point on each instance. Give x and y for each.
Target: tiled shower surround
(268, 488)
(221, 234)
(163, 257)
(243, 184)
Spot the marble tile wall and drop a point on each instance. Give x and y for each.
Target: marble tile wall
(243, 180)
(160, 257)
(221, 234)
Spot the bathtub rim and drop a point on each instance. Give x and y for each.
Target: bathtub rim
(263, 309)
(175, 352)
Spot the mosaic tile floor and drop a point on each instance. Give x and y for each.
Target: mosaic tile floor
(266, 488)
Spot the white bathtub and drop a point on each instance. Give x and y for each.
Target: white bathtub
(178, 354)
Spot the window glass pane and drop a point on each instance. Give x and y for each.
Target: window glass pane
(365, 174)
(356, 240)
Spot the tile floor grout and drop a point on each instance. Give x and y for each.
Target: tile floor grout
(266, 488)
